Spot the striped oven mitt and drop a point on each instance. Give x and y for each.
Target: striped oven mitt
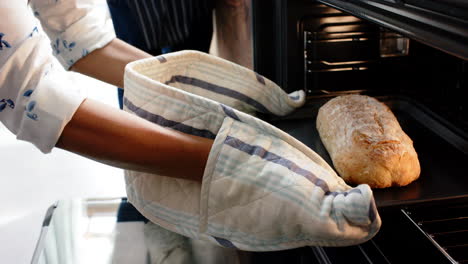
(262, 189)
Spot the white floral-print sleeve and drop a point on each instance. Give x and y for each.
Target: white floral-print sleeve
(37, 96)
(75, 27)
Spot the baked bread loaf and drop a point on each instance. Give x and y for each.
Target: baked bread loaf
(366, 143)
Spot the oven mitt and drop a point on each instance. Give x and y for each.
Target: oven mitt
(262, 189)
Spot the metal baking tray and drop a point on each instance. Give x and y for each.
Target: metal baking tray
(442, 149)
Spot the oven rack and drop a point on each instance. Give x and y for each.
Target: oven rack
(440, 24)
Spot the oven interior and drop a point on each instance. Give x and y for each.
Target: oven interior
(303, 44)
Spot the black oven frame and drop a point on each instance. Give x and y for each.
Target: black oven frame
(431, 81)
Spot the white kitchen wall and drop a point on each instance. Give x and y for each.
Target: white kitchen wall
(31, 181)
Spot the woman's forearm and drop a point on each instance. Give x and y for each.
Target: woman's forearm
(117, 138)
(108, 63)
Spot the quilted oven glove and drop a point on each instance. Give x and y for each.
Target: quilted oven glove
(262, 189)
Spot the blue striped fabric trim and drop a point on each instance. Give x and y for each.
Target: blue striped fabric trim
(157, 119)
(273, 185)
(218, 89)
(241, 237)
(272, 157)
(229, 112)
(224, 242)
(269, 156)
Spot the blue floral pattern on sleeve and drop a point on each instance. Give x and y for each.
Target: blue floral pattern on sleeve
(68, 46)
(30, 106)
(35, 30)
(55, 46)
(28, 93)
(3, 43)
(31, 116)
(6, 102)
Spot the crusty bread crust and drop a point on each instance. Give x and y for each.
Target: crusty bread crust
(366, 143)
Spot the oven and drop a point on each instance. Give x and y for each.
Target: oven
(411, 55)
